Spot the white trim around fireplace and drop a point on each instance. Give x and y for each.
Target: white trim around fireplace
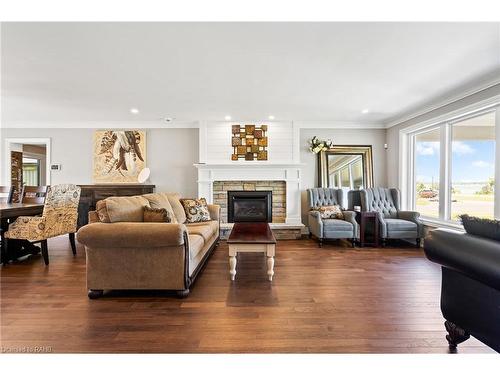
(257, 171)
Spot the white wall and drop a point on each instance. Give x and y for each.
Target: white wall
(392, 138)
(170, 156)
(218, 141)
(373, 137)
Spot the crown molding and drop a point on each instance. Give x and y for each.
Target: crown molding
(180, 124)
(443, 103)
(99, 125)
(338, 125)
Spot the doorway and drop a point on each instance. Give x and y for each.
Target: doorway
(27, 163)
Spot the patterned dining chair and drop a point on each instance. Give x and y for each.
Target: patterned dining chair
(34, 194)
(60, 213)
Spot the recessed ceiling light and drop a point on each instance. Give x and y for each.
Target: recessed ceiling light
(134, 111)
(227, 118)
(365, 111)
(271, 117)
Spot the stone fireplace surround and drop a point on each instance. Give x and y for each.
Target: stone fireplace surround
(282, 179)
(278, 189)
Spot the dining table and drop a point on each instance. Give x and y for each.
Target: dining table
(8, 213)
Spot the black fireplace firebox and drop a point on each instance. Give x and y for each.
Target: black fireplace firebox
(249, 206)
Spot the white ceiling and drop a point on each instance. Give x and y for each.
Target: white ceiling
(204, 71)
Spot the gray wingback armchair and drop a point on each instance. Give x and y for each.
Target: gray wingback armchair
(324, 229)
(394, 223)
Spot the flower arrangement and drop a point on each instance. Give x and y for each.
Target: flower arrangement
(316, 145)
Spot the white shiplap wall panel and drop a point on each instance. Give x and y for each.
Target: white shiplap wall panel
(280, 138)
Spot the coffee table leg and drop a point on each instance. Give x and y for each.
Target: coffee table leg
(232, 266)
(270, 268)
(270, 252)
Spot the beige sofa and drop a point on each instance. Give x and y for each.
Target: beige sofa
(123, 252)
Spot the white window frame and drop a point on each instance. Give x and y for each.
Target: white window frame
(445, 123)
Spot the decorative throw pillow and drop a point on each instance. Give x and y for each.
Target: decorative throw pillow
(160, 200)
(156, 215)
(330, 212)
(126, 209)
(481, 227)
(196, 210)
(102, 211)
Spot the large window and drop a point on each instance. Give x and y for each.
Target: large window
(473, 167)
(427, 161)
(452, 168)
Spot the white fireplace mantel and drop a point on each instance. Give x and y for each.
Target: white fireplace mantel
(255, 171)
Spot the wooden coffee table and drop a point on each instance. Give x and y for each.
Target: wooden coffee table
(251, 238)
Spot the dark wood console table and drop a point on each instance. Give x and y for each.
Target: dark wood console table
(93, 193)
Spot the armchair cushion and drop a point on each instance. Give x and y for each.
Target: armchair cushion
(330, 225)
(335, 228)
(395, 225)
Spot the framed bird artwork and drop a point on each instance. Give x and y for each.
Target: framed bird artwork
(119, 155)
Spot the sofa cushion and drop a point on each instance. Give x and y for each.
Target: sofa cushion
(126, 209)
(206, 229)
(196, 210)
(175, 202)
(196, 243)
(156, 215)
(160, 200)
(336, 225)
(398, 225)
(102, 212)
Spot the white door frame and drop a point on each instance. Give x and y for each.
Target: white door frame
(38, 141)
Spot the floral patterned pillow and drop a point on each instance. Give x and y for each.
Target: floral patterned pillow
(330, 212)
(196, 210)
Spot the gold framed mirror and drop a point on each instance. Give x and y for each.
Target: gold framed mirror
(346, 167)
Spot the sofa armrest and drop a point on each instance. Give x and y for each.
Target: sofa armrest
(350, 216)
(214, 210)
(476, 257)
(132, 235)
(315, 224)
(414, 217)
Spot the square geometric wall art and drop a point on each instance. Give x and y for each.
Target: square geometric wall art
(119, 156)
(249, 142)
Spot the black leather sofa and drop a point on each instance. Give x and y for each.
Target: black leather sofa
(470, 291)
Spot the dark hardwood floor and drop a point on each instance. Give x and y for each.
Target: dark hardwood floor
(335, 300)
